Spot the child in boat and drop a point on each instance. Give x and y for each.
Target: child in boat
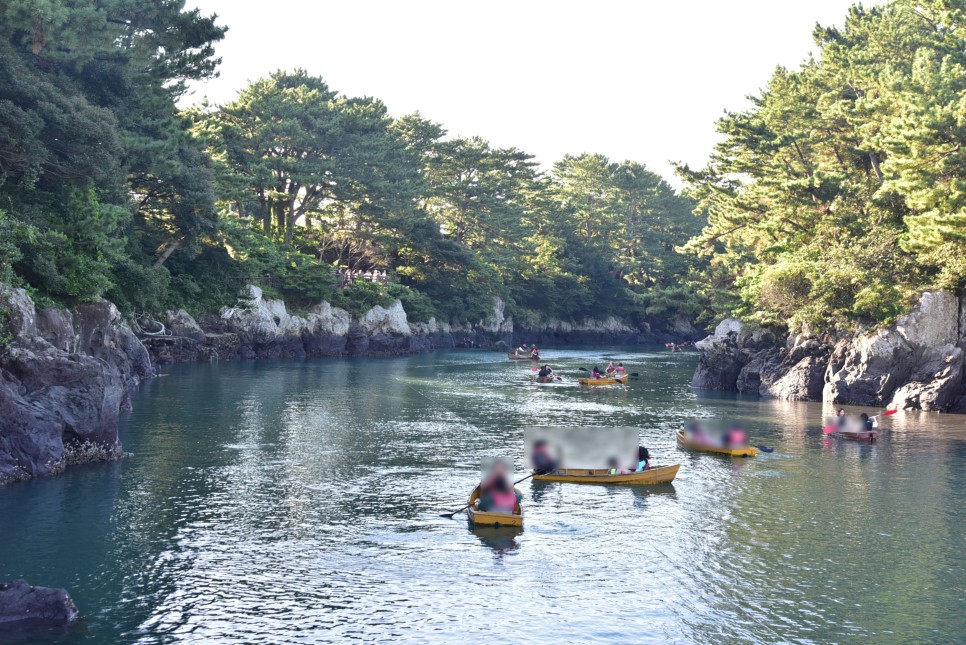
(643, 459)
(541, 459)
(841, 418)
(620, 368)
(535, 353)
(610, 368)
(735, 437)
(868, 425)
(596, 373)
(616, 468)
(498, 496)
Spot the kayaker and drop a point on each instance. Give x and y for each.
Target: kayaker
(643, 459)
(541, 458)
(620, 368)
(535, 353)
(545, 371)
(610, 368)
(596, 373)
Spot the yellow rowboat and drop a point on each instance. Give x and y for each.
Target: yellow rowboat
(480, 518)
(607, 380)
(659, 475)
(747, 451)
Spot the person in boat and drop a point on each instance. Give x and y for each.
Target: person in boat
(841, 419)
(735, 437)
(596, 373)
(620, 368)
(868, 425)
(615, 468)
(535, 353)
(543, 462)
(610, 368)
(497, 494)
(545, 372)
(643, 460)
(523, 349)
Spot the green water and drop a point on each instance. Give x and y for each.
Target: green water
(279, 502)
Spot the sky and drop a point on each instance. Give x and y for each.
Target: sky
(643, 80)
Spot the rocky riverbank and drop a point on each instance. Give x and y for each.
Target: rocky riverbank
(916, 363)
(66, 375)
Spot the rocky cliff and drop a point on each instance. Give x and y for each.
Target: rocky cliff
(65, 377)
(916, 363)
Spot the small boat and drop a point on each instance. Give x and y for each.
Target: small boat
(605, 380)
(651, 476)
(523, 357)
(544, 379)
(865, 435)
(481, 518)
(746, 451)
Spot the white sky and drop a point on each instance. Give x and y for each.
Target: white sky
(642, 80)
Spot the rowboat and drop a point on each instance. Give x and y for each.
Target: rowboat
(659, 475)
(607, 380)
(746, 451)
(865, 435)
(481, 518)
(544, 379)
(523, 357)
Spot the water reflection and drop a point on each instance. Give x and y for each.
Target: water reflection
(300, 501)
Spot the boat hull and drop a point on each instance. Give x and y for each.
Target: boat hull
(747, 451)
(544, 379)
(522, 357)
(616, 380)
(481, 518)
(650, 477)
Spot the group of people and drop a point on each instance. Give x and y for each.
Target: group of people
(611, 370)
(865, 422)
(543, 462)
(525, 349)
(350, 276)
(733, 437)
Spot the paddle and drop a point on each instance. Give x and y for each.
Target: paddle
(765, 449)
(450, 515)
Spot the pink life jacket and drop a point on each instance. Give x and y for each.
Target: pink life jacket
(503, 502)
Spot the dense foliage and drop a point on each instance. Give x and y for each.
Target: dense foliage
(840, 194)
(106, 189)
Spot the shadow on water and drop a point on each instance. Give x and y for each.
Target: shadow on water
(501, 539)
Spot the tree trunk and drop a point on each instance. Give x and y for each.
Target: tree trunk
(875, 165)
(169, 249)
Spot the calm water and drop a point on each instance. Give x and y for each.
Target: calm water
(279, 502)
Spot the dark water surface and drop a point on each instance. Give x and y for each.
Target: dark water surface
(273, 502)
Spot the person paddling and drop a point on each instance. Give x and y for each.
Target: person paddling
(643, 459)
(497, 494)
(610, 368)
(545, 372)
(596, 373)
(543, 462)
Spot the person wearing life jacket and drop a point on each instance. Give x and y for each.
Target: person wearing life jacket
(499, 496)
(596, 373)
(543, 462)
(535, 353)
(735, 437)
(610, 368)
(643, 459)
(545, 371)
(620, 368)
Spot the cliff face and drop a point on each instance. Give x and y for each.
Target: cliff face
(917, 363)
(65, 376)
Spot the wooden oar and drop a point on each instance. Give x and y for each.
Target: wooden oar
(450, 515)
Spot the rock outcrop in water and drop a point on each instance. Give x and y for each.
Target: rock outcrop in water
(24, 606)
(916, 363)
(65, 376)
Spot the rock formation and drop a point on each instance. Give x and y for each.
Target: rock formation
(25, 606)
(915, 363)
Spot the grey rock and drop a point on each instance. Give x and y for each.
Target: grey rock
(23, 606)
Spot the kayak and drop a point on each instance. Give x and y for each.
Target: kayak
(481, 518)
(606, 380)
(522, 357)
(746, 451)
(865, 435)
(658, 475)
